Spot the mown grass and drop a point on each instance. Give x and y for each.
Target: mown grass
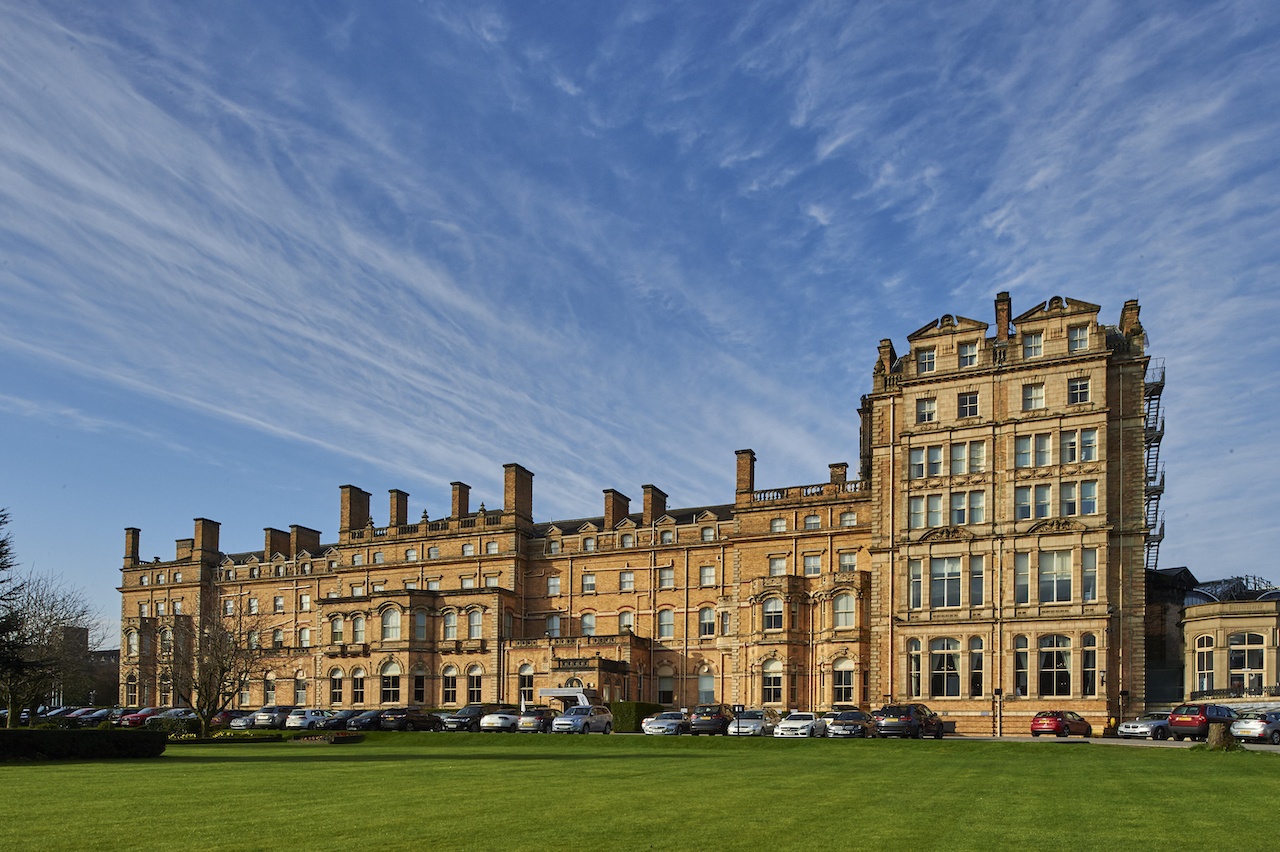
(502, 792)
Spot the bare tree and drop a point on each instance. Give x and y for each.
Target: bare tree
(48, 630)
(212, 659)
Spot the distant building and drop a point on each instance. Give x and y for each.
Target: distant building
(991, 559)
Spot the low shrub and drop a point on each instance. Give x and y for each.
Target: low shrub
(77, 744)
(627, 715)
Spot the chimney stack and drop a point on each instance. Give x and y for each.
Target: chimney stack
(355, 509)
(399, 515)
(655, 504)
(274, 541)
(517, 496)
(1004, 312)
(132, 536)
(461, 500)
(206, 540)
(746, 476)
(840, 472)
(1129, 318)
(302, 538)
(616, 507)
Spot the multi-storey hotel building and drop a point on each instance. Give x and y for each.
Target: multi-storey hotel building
(988, 560)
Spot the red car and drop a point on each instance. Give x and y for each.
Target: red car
(1192, 720)
(138, 718)
(1061, 723)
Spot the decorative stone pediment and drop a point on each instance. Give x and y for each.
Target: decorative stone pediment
(1058, 525)
(947, 534)
(947, 324)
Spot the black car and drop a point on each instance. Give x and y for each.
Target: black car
(710, 719)
(907, 720)
(468, 718)
(410, 719)
(850, 723)
(369, 720)
(338, 721)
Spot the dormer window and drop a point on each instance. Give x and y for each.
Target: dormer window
(968, 354)
(1078, 338)
(1032, 344)
(925, 361)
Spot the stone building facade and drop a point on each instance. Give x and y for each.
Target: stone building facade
(987, 560)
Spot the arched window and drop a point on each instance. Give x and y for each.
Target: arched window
(299, 689)
(975, 667)
(525, 676)
(588, 624)
(553, 626)
(411, 555)
(667, 537)
(706, 622)
(390, 683)
(269, 689)
(451, 625)
(357, 629)
(628, 540)
(131, 691)
(1055, 665)
(1244, 662)
(131, 644)
(468, 550)
(845, 614)
(773, 614)
(1204, 663)
(778, 525)
(626, 621)
(378, 558)
(491, 547)
(706, 686)
(475, 693)
(433, 553)
(666, 624)
(1020, 650)
(842, 674)
(357, 686)
(420, 625)
(390, 625)
(335, 686)
(812, 522)
(666, 685)
(166, 688)
(588, 544)
(1089, 665)
(473, 624)
(708, 534)
(553, 546)
(304, 637)
(771, 682)
(335, 630)
(277, 638)
(944, 668)
(356, 559)
(449, 685)
(913, 668)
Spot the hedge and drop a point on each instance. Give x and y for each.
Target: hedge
(627, 715)
(81, 744)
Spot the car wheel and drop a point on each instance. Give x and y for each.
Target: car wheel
(1275, 737)
(608, 729)
(1062, 733)
(1160, 734)
(937, 732)
(408, 726)
(919, 732)
(1088, 732)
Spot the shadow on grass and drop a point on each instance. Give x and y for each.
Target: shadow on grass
(350, 755)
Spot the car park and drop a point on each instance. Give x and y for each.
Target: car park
(468, 718)
(272, 716)
(307, 718)
(914, 721)
(1193, 720)
(1060, 723)
(1263, 727)
(671, 722)
(583, 719)
(504, 719)
(759, 722)
(1154, 725)
(710, 719)
(410, 719)
(801, 725)
(338, 721)
(537, 720)
(369, 720)
(850, 723)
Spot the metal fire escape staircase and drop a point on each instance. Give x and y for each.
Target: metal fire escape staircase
(1153, 432)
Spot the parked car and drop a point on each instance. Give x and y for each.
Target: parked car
(1154, 725)
(272, 716)
(583, 719)
(338, 721)
(75, 718)
(537, 720)
(1061, 723)
(138, 718)
(224, 718)
(96, 718)
(176, 714)
(710, 719)
(850, 723)
(801, 725)
(1192, 720)
(410, 719)
(241, 723)
(1263, 727)
(671, 722)
(907, 720)
(307, 718)
(755, 723)
(504, 719)
(468, 718)
(369, 720)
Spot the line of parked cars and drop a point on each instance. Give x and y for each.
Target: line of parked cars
(895, 720)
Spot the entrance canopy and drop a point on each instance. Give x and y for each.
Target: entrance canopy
(571, 695)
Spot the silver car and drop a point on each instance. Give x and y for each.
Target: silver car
(1263, 727)
(672, 722)
(583, 719)
(1154, 725)
(754, 723)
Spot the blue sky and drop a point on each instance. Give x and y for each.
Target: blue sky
(250, 252)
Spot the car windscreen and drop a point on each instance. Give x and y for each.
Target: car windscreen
(851, 716)
(671, 715)
(894, 710)
(578, 711)
(800, 717)
(751, 714)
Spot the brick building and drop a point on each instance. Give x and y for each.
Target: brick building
(988, 559)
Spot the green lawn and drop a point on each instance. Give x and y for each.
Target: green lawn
(503, 792)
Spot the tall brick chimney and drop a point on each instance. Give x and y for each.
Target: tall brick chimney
(302, 538)
(274, 541)
(399, 515)
(1004, 312)
(132, 537)
(655, 503)
(746, 477)
(461, 500)
(616, 507)
(840, 472)
(206, 540)
(517, 492)
(355, 509)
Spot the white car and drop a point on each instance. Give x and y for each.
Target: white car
(801, 725)
(507, 719)
(306, 717)
(672, 722)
